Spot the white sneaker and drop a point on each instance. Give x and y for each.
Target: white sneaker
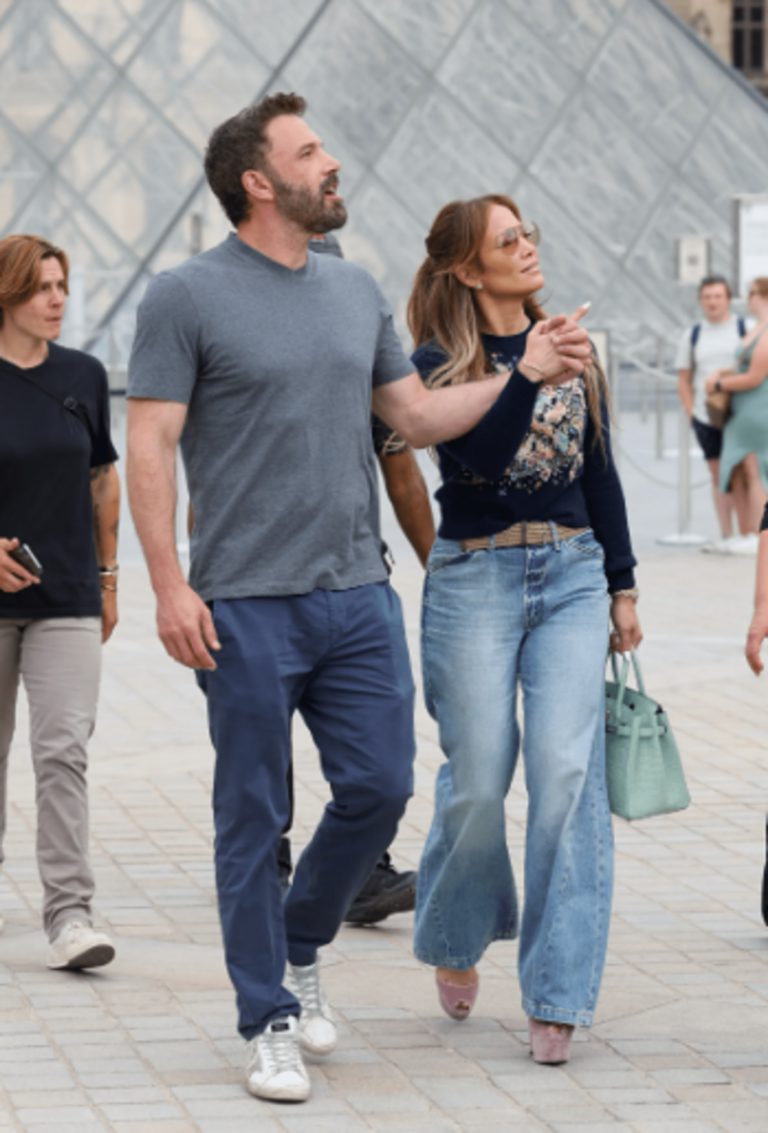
(745, 544)
(80, 946)
(274, 1067)
(317, 1027)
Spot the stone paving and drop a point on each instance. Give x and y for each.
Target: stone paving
(148, 1045)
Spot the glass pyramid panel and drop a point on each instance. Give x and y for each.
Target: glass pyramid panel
(616, 129)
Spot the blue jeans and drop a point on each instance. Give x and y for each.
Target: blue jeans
(341, 659)
(493, 619)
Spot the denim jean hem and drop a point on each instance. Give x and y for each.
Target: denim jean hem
(249, 1033)
(557, 1014)
(461, 963)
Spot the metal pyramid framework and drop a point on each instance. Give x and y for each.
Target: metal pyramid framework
(610, 124)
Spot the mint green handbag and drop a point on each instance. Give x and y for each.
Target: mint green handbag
(643, 770)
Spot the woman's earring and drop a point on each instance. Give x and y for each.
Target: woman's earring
(478, 287)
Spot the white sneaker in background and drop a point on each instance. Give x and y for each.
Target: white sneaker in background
(317, 1026)
(274, 1067)
(718, 547)
(80, 946)
(745, 544)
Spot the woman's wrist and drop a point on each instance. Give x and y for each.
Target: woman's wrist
(537, 377)
(108, 577)
(632, 593)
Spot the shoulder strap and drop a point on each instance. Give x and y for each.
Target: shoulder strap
(740, 323)
(70, 404)
(695, 332)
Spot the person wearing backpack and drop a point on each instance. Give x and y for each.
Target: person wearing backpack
(707, 346)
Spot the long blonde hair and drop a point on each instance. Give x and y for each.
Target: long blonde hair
(443, 308)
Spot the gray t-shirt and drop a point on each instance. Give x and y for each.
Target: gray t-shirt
(277, 367)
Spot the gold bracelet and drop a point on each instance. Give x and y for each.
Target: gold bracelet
(111, 589)
(109, 570)
(632, 594)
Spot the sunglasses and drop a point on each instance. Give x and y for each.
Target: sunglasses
(509, 239)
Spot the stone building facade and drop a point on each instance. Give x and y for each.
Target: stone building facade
(738, 32)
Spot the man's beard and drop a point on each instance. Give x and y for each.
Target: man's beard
(308, 211)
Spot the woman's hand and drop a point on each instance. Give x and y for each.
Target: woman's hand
(108, 613)
(13, 576)
(557, 349)
(712, 380)
(628, 634)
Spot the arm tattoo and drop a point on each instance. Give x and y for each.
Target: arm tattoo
(99, 470)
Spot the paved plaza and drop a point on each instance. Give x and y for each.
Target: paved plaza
(680, 1043)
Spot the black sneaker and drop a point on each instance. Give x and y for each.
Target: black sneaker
(765, 881)
(284, 864)
(385, 892)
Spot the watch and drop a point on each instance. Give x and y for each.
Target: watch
(632, 594)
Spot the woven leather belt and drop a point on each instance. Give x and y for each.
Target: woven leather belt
(525, 534)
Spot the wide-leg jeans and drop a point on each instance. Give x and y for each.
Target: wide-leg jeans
(534, 617)
(341, 659)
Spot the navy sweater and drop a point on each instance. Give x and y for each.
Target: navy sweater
(534, 456)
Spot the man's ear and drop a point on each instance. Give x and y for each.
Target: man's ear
(257, 185)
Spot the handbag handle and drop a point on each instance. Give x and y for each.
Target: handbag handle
(621, 679)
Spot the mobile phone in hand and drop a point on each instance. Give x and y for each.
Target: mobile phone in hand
(24, 555)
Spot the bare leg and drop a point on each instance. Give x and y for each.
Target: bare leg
(756, 494)
(740, 494)
(722, 500)
(457, 978)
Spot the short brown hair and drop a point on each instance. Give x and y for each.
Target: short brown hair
(241, 143)
(714, 281)
(20, 260)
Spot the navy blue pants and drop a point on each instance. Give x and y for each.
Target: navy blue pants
(341, 659)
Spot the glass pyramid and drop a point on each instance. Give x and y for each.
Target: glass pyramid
(612, 125)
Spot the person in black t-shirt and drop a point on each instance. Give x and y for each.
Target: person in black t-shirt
(59, 499)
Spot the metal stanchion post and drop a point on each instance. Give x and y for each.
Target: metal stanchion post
(659, 400)
(683, 537)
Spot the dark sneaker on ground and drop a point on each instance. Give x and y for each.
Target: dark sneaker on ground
(385, 892)
(765, 881)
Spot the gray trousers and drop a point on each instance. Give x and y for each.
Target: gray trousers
(59, 661)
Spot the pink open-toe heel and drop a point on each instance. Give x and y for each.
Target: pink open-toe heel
(550, 1042)
(457, 1000)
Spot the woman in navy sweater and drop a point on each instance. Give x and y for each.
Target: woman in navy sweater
(532, 557)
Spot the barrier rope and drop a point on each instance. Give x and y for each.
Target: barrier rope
(654, 479)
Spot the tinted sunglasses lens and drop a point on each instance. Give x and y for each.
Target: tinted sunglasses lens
(532, 233)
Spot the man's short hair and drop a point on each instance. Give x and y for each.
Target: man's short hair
(711, 280)
(241, 143)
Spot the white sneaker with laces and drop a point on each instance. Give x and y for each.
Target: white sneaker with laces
(317, 1026)
(274, 1067)
(80, 946)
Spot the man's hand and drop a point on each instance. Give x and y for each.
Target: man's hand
(758, 631)
(186, 628)
(557, 349)
(13, 576)
(628, 634)
(108, 613)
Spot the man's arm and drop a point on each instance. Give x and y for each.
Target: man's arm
(409, 497)
(184, 621)
(556, 350)
(685, 390)
(105, 500)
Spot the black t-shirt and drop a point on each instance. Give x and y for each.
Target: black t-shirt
(46, 454)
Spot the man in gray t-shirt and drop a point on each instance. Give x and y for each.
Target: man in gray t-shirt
(263, 362)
